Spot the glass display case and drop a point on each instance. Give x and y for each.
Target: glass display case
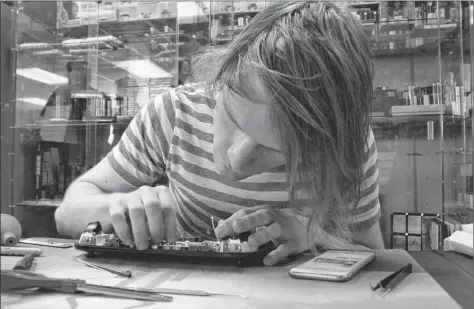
(82, 69)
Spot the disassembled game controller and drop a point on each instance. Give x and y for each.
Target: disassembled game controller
(232, 249)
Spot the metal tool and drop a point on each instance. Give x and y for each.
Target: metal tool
(21, 280)
(25, 262)
(22, 251)
(125, 273)
(387, 284)
(187, 292)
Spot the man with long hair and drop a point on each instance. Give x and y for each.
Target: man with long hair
(278, 143)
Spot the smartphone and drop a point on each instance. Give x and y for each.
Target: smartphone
(333, 265)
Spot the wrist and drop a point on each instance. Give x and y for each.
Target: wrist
(327, 241)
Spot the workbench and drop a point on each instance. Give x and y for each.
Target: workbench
(435, 283)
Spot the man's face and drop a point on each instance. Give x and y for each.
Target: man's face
(244, 142)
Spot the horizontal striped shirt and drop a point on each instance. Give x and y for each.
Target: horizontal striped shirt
(172, 137)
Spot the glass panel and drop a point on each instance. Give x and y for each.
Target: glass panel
(455, 76)
(222, 23)
(85, 68)
(407, 136)
(40, 150)
(7, 98)
(229, 18)
(470, 105)
(194, 29)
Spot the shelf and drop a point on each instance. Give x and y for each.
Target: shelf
(431, 31)
(396, 25)
(236, 13)
(393, 37)
(41, 203)
(394, 121)
(119, 28)
(405, 51)
(41, 124)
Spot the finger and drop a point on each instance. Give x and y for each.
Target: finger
(168, 211)
(253, 220)
(171, 224)
(154, 216)
(264, 235)
(117, 216)
(139, 223)
(281, 252)
(225, 227)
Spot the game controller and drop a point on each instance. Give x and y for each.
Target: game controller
(230, 250)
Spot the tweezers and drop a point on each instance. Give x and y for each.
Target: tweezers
(390, 282)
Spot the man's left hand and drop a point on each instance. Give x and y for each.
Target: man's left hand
(285, 229)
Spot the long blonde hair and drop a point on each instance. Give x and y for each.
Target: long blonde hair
(314, 59)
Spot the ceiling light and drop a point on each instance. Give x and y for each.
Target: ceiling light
(143, 68)
(42, 76)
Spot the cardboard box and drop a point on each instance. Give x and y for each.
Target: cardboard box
(148, 10)
(90, 11)
(254, 6)
(76, 13)
(168, 9)
(68, 14)
(222, 7)
(128, 10)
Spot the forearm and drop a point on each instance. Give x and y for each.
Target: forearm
(83, 203)
(366, 238)
(370, 238)
(331, 242)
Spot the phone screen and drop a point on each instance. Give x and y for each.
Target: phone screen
(336, 261)
(333, 260)
(333, 266)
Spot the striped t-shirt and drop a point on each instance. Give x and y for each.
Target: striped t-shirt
(172, 137)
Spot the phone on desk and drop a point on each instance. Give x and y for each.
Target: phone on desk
(333, 265)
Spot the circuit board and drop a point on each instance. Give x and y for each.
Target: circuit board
(232, 250)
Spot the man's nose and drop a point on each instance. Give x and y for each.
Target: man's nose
(241, 151)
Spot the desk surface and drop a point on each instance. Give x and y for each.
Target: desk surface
(266, 287)
(453, 271)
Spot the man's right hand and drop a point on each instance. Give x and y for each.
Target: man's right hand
(151, 214)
